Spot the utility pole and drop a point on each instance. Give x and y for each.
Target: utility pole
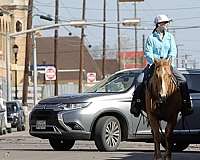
(55, 49)
(177, 56)
(143, 46)
(118, 32)
(104, 40)
(143, 42)
(28, 53)
(135, 15)
(81, 51)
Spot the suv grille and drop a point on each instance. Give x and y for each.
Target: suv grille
(49, 115)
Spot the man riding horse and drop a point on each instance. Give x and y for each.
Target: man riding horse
(160, 44)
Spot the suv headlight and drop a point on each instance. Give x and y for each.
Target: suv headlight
(70, 106)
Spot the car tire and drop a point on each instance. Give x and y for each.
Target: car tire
(61, 145)
(1, 131)
(19, 125)
(4, 131)
(23, 128)
(107, 131)
(9, 130)
(19, 128)
(177, 147)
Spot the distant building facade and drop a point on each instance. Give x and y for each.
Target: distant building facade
(131, 59)
(13, 16)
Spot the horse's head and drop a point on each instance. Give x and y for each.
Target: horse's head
(162, 78)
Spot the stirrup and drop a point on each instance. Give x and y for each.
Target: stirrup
(135, 111)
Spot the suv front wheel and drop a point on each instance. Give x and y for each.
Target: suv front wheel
(107, 133)
(61, 144)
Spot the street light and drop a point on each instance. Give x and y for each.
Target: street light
(36, 34)
(15, 51)
(130, 22)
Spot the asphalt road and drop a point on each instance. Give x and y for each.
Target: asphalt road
(22, 146)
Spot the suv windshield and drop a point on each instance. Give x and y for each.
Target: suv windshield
(116, 83)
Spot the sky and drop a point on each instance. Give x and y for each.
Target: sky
(185, 25)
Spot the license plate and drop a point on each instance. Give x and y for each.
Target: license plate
(41, 124)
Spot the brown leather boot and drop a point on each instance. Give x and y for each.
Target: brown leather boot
(187, 107)
(135, 107)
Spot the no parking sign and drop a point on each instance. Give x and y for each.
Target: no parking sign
(50, 73)
(91, 77)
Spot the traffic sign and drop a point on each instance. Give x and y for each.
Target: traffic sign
(91, 77)
(50, 73)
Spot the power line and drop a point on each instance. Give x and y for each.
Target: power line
(145, 28)
(128, 10)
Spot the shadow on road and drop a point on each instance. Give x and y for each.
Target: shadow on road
(121, 154)
(146, 155)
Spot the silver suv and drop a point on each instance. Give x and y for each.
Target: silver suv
(103, 114)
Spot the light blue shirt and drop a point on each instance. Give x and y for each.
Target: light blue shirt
(156, 47)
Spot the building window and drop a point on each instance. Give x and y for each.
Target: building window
(18, 26)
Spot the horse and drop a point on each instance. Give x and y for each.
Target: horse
(163, 102)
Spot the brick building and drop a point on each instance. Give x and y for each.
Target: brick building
(68, 60)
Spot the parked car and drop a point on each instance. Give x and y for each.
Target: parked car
(5, 126)
(2, 121)
(16, 115)
(103, 114)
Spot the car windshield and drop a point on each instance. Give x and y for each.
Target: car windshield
(116, 83)
(11, 108)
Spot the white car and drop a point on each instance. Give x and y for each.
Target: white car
(4, 125)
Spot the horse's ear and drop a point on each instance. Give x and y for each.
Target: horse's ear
(156, 60)
(169, 59)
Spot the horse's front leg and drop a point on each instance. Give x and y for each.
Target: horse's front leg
(156, 135)
(168, 138)
(154, 123)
